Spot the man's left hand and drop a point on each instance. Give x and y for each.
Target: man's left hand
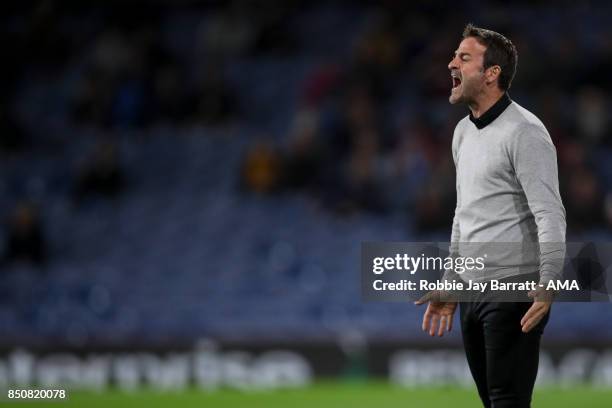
(541, 305)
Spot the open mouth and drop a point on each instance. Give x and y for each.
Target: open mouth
(456, 80)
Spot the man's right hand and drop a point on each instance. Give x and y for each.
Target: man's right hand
(439, 314)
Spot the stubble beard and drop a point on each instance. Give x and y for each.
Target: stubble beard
(457, 96)
(465, 94)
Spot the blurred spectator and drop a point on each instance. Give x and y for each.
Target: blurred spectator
(320, 83)
(572, 155)
(228, 32)
(274, 33)
(261, 169)
(26, 241)
(128, 72)
(103, 86)
(584, 201)
(435, 207)
(407, 170)
(376, 59)
(101, 173)
(357, 114)
(216, 103)
(592, 114)
(171, 100)
(305, 155)
(360, 179)
(93, 99)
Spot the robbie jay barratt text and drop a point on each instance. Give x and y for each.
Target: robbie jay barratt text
(493, 285)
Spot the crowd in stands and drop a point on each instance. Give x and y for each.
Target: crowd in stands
(342, 105)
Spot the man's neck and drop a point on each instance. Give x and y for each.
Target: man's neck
(485, 102)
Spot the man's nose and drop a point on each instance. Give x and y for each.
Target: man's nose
(453, 64)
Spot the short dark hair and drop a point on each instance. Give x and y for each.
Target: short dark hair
(500, 51)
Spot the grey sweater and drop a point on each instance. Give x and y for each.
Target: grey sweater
(507, 192)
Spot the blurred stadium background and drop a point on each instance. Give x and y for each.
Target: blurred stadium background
(185, 186)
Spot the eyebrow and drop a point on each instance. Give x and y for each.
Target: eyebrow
(461, 54)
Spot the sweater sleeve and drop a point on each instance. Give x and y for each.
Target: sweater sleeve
(455, 238)
(534, 159)
(455, 232)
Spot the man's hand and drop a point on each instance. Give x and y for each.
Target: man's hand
(541, 305)
(439, 314)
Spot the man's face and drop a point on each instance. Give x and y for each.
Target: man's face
(467, 71)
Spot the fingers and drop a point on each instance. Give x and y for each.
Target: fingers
(446, 324)
(437, 324)
(435, 319)
(536, 308)
(434, 322)
(442, 325)
(426, 320)
(530, 313)
(532, 317)
(531, 323)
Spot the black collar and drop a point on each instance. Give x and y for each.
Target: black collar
(493, 112)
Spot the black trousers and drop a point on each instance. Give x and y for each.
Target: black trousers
(503, 360)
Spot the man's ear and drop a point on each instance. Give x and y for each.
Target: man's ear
(492, 73)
